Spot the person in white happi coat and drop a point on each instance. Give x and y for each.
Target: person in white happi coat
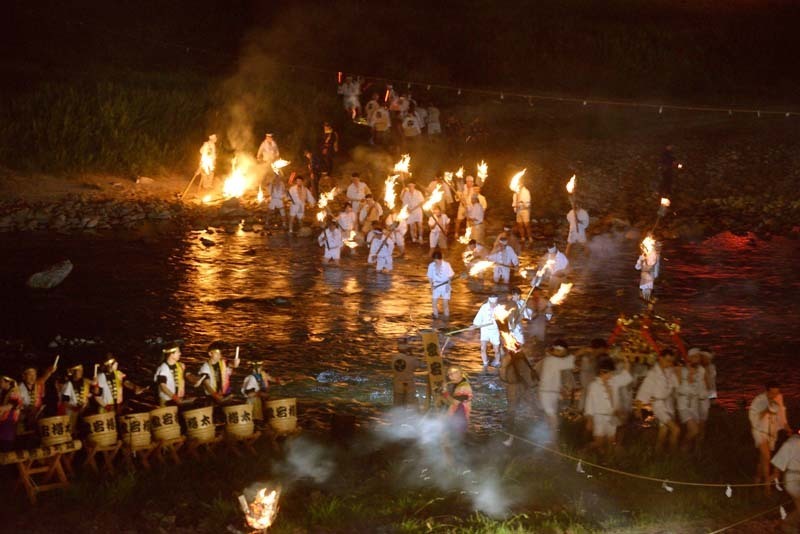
(215, 373)
(438, 223)
(356, 192)
(474, 253)
(399, 229)
(550, 368)
(578, 220)
(413, 199)
(111, 384)
(411, 127)
(371, 107)
(647, 263)
(521, 202)
(767, 415)
(347, 222)
(787, 461)
(603, 404)
(464, 198)
(277, 198)
(475, 214)
(440, 275)
(707, 361)
(658, 389)
(520, 312)
(208, 162)
(490, 332)
(299, 196)
(381, 124)
(557, 264)
(255, 388)
(691, 388)
(76, 395)
(380, 250)
(370, 212)
(268, 152)
(434, 124)
(504, 259)
(350, 91)
(331, 240)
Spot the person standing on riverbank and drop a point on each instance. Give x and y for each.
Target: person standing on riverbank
(603, 404)
(170, 378)
(767, 415)
(658, 389)
(787, 461)
(75, 395)
(111, 384)
(255, 389)
(32, 390)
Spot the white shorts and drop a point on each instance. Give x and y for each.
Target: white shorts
(434, 128)
(664, 413)
(297, 210)
(704, 406)
(442, 292)
(575, 237)
(762, 437)
(604, 426)
(333, 253)
(384, 262)
(549, 401)
(501, 273)
(492, 335)
(276, 204)
(462, 212)
(415, 216)
(351, 102)
(524, 216)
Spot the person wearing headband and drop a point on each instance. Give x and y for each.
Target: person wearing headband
(255, 388)
(510, 238)
(658, 390)
(767, 414)
(504, 259)
(170, 377)
(216, 373)
(111, 384)
(32, 390)
(76, 394)
(490, 333)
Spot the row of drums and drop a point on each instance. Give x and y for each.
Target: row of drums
(137, 430)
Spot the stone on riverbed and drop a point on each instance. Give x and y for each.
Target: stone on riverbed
(50, 277)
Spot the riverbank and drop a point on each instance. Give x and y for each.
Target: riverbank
(391, 479)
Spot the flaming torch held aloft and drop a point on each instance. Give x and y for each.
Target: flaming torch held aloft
(571, 191)
(322, 204)
(403, 167)
(516, 181)
(483, 172)
(557, 299)
(261, 513)
(279, 164)
(480, 266)
(435, 198)
(389, 195)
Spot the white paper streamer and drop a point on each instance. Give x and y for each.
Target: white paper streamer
(783, 513)
(778, 485)
(579, 468)
(728, 492)
(667, 487)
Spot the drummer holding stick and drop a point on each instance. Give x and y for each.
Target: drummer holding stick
(215, 374)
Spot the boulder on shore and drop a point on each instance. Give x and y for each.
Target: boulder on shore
(50, 277)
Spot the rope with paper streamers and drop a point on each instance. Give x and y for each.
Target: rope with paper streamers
(501, 94)
(780, 508)
(665, 483)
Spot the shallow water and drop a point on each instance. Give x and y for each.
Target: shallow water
(332, 331)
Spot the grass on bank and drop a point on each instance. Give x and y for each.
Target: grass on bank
(377, 488)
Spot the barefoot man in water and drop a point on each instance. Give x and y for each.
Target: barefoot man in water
(767, 417)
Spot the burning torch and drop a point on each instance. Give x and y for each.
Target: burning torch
(571, 191)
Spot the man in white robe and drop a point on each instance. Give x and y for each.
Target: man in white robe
(440, 274)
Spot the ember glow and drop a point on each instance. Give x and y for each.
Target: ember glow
(548, 265)
(464, 239)
(501, 312)
(647, 244)
(321, 216)
(277, 165)
(403, 165)
(561, 294)
(435, 198)
(207, 199)
(515, 181)
(483, 171)
(480, 266)
(665, 202)
(261, 513)
(571, 185)
(389, 195)
(236, 184)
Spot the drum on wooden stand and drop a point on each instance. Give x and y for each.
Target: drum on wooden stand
(200, 424)
(55, 430)
(135, 430)
(164, 423)
(282, 415)
(101, 429)
(239, 421)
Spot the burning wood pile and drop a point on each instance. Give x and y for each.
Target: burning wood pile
(260, 514)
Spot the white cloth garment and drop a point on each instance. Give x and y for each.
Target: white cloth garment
(485, 319)
(577, 226)
(439, 274)
(658, 390)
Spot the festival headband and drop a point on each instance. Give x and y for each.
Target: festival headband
(74, 368)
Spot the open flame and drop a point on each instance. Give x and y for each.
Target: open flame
(561, 294)
(261, 513)
(464, 239)
(571, 185)
(350, 241)
(648, 243)
(483, 171)
(460, 172)
(480, 266)
(548, 265)
(236, 183)
(321, 216)
(403, 165)
(278, 164)
(435, 198)
(389, 195)
(207, 199)
(515, 181)
(665, 202)
(403, 215)
(501, 313)
(324, 198)
(260, 195)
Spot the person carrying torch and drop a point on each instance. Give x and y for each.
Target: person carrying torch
(440, 275)
(490, 333)
(648, 265)
(300, 196)
(215, 374)
(578, 220)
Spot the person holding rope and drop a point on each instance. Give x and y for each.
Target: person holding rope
(603, 404)
(767, 415)
(440, 275)
(556, 360)
(658, 389)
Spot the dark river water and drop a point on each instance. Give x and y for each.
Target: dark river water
(332, 331)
